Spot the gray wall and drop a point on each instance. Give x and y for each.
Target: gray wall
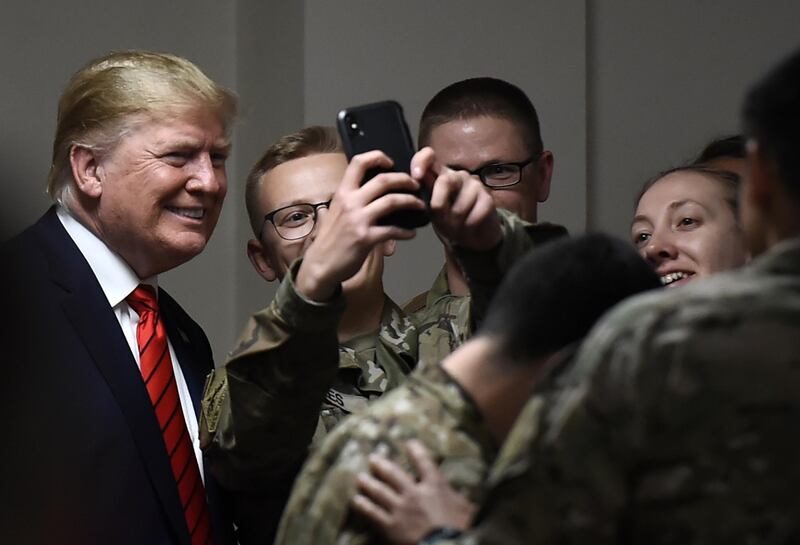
(623, 88)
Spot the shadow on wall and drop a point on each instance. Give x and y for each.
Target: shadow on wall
(23, 188)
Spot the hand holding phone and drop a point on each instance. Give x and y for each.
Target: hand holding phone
(382, 126)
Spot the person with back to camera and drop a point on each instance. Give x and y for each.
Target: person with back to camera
(103, 370)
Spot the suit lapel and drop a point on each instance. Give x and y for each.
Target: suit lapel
(95, 323)
(182, 333)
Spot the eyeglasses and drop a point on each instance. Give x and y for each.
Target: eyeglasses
(294, 221)
(499, 175)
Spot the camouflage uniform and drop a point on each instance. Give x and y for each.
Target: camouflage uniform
(282, 385)
(676, 424)
(444, 320)
(430, 407)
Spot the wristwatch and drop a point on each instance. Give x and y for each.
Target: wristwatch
(438, 534)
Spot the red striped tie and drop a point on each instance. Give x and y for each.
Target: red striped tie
(159, 379)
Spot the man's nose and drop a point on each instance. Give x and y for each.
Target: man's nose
(205, 177)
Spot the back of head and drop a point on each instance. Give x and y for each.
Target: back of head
(725, 147)
(307, 141)
(771, 116)
(476, 97)
(104, 98)
(555, 294)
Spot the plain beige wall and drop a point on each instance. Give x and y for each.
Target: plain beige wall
(664, 78)
(623, 89)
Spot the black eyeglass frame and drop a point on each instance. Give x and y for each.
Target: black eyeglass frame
(479, 172)
(271, 218)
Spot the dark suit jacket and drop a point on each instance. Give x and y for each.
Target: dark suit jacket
(82, 458)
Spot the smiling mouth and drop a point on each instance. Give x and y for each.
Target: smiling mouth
(191, 213)
(673, 277)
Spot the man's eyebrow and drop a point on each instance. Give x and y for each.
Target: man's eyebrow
(223, 145)
(482, 165)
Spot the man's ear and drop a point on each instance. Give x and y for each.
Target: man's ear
(544, 169)
(389, 247)
(86, 171)
(255, 252)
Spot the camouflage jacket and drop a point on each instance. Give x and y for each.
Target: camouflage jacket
(444, 320)
(677, 423)
(281, 390)
(430, 407)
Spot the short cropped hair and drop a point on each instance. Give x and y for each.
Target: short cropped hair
(771, 116)
(732, 146)
(554, 294)
(105, 98)
(484, 96)
(730, 182)
(307, 141)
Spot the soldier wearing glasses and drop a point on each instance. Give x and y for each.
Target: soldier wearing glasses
(489, 128)
(330, 340)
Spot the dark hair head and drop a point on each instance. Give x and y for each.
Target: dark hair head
(476, 97)
(307, 141)
(556, 293)
(728, 180)
(732, 146)
(771, 116)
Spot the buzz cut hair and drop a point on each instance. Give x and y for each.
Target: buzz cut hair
(482, 97)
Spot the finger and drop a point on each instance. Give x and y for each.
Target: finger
(360, 164)
(465, 200)
(392, 202)
(390, 473)
(376, 490)
(483, 208)
(424, 164)
(387, 182)
(365, 507)
(422, 460)
(445, 190)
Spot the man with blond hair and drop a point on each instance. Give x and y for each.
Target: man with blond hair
(103, 370)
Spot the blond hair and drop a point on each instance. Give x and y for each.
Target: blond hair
(105, 97)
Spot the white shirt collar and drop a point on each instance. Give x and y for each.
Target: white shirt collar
(115, 276)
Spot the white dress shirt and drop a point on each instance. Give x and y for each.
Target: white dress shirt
(118, 280)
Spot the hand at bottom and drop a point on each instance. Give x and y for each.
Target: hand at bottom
(405, 510)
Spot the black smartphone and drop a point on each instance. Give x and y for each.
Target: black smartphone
(382, 126)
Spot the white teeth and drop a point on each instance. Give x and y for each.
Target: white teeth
(668, 279)
(194, 213)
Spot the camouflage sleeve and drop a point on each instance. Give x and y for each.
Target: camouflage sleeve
(485, 270)
(318, 508)
(319, 512)
(260, 410)
(674, 426)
